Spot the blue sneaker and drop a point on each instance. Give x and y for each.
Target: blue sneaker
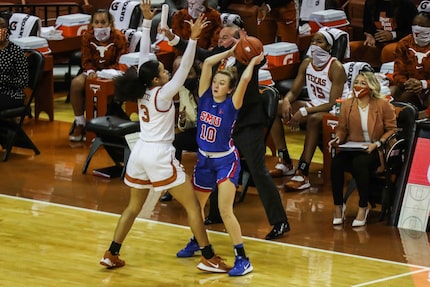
(241, 267)
(189, 249)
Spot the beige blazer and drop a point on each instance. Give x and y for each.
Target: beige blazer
(380, 125)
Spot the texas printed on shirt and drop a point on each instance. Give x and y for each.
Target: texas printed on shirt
(98, 55)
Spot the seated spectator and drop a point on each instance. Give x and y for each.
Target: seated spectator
(384, 24)
(209, 36)
(102, 46)
(412, 63)
(13, 68)
(366, 117)
(281, 17)
(325, 80)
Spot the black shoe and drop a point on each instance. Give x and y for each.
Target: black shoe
(278, 230)
(166, 197)
(212, 220)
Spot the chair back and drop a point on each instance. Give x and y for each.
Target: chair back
(407, 114)
(339, 47)
(270, 103)
(36, 63)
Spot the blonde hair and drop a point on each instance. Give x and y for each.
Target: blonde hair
(230, 72)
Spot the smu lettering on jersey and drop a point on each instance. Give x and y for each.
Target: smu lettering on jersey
(215, 123)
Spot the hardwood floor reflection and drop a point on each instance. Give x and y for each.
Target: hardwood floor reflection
(56, 176)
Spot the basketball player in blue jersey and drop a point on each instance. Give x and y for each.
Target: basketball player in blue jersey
(218, 160)
(325, 80)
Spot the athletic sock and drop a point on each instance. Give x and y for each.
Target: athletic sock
(114, 248)
(239, 250)
(283, 153)
(208, 252)
(304, 167)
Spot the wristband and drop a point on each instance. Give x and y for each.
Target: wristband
(303, 111)
(378, 144)
(424, 84)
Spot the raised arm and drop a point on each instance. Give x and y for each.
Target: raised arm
(145, 41)
(188, 58)
(239, 93)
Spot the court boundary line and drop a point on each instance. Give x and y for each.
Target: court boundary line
(422, 268)
(391, 277)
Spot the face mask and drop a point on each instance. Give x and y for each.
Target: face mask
(421, 35)
(3, 34)
(360, 92)
(102, 34)
(195, 10)
(319, 56)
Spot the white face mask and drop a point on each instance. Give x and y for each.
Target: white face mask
(421, 35)
(319, 56)
(102, 34)
(195, 8)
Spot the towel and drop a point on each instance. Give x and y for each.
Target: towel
(51, 34)
(331, 35)
(22, 25)
(336, 33)
(229, 19)
(122, 12)
(108, 73)
(133, 39)
(352, 69)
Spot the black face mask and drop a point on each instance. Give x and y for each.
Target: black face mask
(191, 84)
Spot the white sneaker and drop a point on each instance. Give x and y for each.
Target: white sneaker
(286, 169)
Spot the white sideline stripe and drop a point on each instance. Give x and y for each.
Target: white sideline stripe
(223, 233)
(391, 277)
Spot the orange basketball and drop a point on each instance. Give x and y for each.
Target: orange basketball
(247, 48)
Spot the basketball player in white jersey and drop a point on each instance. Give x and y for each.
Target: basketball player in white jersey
(325, 80)
(152, 166)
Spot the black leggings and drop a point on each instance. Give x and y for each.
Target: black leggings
(361, 165)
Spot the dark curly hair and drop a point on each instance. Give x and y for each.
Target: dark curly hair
(132, 85)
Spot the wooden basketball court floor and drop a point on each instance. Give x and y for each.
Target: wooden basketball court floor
(56, 223)
(48, 244)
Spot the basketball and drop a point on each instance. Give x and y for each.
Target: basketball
(247, 48)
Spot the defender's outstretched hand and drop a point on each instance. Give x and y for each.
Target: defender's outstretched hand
(197, 26)
(147, 12)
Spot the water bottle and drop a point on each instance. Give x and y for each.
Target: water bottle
(337, 107)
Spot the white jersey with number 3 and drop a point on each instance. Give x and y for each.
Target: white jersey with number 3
(157, 116)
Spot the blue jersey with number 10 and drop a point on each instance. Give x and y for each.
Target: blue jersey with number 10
(215, 122)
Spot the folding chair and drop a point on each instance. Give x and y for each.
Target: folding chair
(11, 120)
